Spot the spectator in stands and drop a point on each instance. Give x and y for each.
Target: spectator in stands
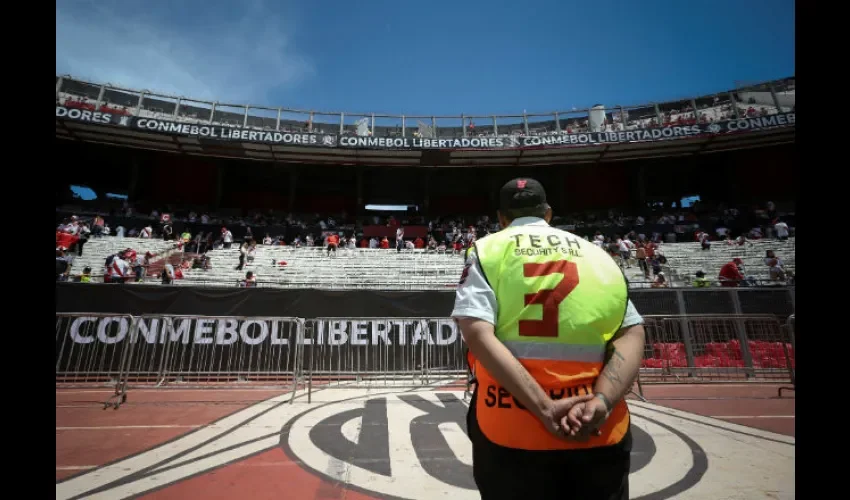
(701, 281)
(625, 248)
(197, 243)
(640, 255)
(432, 244)
(107, 267)
(650, 247)
(250, 280)
(781, 229)
(118, 268)
(660, 281)
(385, 243)
(704, 240)
(168, 274)
(252, 251)
(267, 240)
(655, 264)
(775, 267)
(97, 226)
(243, 255)
(730, 274)
(598, 239)
(457, 246)
(770, 210)
(332, 242)
(419, 243)
(85, 277)
(399, 238)
(63, 264)
(138, 264)
(146, 232)
(226, 237)
(70, 226)
(147, 261)
(373, 242)
(84, 234)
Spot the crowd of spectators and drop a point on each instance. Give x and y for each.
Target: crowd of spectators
(709, 109)
(631, 239)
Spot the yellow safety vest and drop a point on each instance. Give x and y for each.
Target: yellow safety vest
(702, 282)
(560, 301)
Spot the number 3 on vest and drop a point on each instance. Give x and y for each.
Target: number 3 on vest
(550, 299)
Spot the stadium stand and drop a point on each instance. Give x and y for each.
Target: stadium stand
(311, 267)
(348, 269)
(685, 259)
(418, 269)
(748, 102)
(97, 249)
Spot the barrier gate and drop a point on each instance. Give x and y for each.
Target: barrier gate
(285, 353)
(190, 351)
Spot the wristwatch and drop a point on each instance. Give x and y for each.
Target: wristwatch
(605, 400)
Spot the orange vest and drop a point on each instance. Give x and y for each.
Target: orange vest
(560, 301)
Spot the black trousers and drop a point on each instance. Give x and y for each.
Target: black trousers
(506, 473)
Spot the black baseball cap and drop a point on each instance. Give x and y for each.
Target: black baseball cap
(522, 192)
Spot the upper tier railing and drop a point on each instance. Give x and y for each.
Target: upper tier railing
(763, 99)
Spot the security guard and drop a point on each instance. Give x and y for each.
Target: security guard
(701, 281)
(556, 346)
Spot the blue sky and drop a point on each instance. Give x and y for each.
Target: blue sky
(441, 57)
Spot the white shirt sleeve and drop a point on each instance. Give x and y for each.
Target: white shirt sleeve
(632, 316)
(475, 299)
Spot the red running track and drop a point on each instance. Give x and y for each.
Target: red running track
(752, 405)
(88, 436)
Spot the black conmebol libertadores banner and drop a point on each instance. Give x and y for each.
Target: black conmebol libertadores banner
(185, 344)
(228, 133)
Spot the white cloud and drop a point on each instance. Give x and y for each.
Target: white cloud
(217, 58)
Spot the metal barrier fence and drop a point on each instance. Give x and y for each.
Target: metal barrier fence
(696, 349)
(383, 352)
(290, 353)
(189, 351)
(89, 348)
(791, 328)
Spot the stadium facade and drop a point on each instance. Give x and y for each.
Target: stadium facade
(225, 155)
